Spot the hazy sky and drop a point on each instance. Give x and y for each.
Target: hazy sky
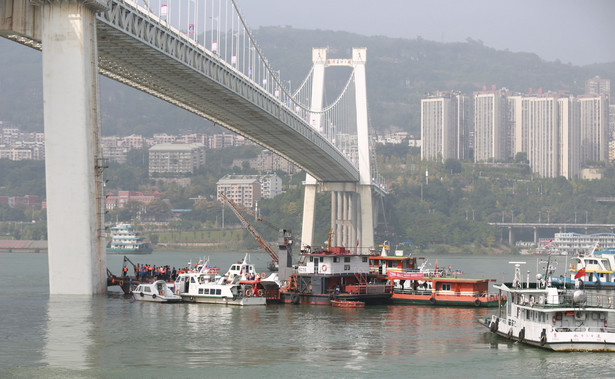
(576, 31)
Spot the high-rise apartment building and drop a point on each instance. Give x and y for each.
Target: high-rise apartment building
(540, 115)
(569, 137)
(598, 86)
(490, 126)
(444, 127)
(594, 118)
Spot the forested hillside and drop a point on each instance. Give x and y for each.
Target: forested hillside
(399, 73)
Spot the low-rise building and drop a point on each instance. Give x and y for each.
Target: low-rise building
(175, 159)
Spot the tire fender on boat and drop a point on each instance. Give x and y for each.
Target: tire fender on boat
(510, 333)
(248, 292)
(522, 335)
(153, 296)
(543, 337)
(477, 302)
(260, 292)
(494, 325)
(432, 300)
(141, 294)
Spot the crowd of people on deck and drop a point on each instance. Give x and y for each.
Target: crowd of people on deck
(147, 272)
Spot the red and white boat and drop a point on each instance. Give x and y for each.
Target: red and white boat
(417, 285)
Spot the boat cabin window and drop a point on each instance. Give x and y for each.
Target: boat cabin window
(206, 291)
(218, 291)
(446, 286)
(346, 259)
(200, 291)
(390, 263)
(192, 280)
(336, 259)
(364, 259)
(322, 259)
(146, 289)
(311, 259)
(346, 267)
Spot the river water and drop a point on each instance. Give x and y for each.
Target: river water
(113, 336)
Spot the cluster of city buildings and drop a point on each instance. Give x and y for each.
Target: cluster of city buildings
(560, 133)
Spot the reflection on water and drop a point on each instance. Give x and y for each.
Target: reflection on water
(114, 336)
(71, 330)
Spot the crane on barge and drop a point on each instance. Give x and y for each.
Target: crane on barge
(236, 209)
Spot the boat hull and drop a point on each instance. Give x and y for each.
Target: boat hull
(240, 301)
(325, 299)
(567, 341)
(153, 298)
(447, 301)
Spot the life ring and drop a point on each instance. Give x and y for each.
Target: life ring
(510, 333)
(522, 335)
(263, 275)
(324, 268)
(191, 298)
(432, 300)
(248, 292)
(477, 302)
(121, 283)
(112, 280)
(553, 319)
(260, 292)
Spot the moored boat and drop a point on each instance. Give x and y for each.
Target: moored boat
(323, 275)
(240, 285)
(126, 240)
(157, 291)
(593, 269)
(417, 285)
(541, 315)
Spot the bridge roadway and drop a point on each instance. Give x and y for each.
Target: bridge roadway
(137, 48)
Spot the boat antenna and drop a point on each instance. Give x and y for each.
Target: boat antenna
(517, 282)
(329, 239)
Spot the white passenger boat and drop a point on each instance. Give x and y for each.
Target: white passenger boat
(541, 315)
(593, 269)
(241, 285)
(157, 291)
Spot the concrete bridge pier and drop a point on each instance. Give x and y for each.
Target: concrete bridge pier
(511, 236)
(77, 262)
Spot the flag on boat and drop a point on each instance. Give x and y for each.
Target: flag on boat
(551, 240)
(580, 273)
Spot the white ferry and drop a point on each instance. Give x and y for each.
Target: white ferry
(562, 320)
(241, 285)
(126, 240)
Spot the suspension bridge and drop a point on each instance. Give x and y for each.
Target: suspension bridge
(199, 55)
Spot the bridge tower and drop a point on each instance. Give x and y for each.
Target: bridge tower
(352, 216)
(67, 31)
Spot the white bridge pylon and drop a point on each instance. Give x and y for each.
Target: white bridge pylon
(352, 215)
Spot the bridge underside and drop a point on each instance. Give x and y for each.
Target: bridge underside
(212, 90)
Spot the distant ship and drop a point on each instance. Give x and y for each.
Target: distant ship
(125, 240)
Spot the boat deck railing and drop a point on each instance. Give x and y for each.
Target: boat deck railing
(567, 299)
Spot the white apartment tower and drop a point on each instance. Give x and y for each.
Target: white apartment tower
(598, 86)
(490, 126)
(594, 126)
(444, 126)
(569, 137)
(540, 114)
